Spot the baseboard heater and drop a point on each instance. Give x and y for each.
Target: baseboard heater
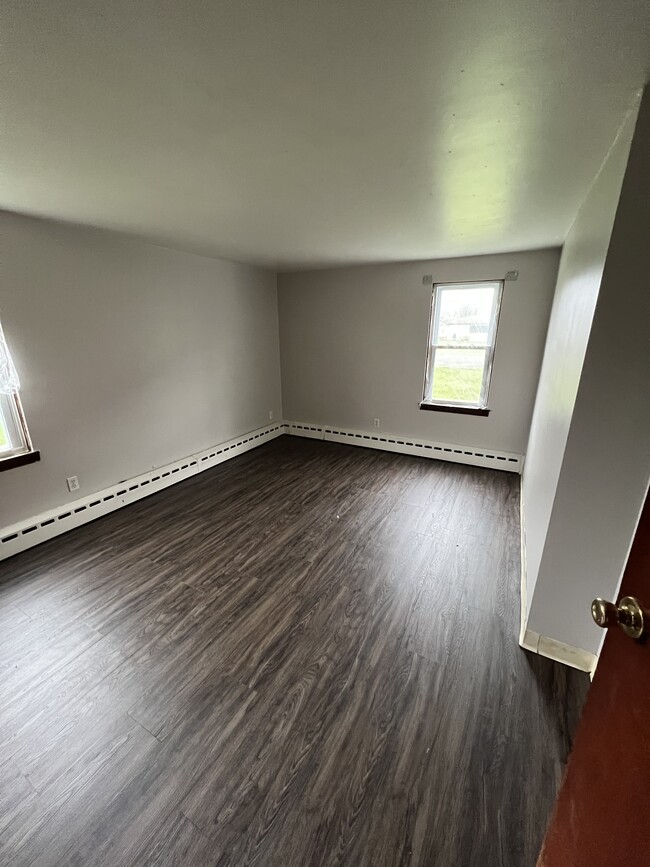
(33, 531)
(473, 455)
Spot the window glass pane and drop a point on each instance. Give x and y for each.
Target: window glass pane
(464, 315)
(458, 374)
(11, 438)
(461, 342)
(4, 434)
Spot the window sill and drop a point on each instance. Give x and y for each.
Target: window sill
(19, 460)
(447, 407)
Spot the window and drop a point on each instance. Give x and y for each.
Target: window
(15, 444)
(462, 334)
(14, 438)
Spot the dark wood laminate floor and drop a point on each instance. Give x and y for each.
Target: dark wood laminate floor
(306, 656)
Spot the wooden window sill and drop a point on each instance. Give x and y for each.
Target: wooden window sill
(19, 460)
(464, 410)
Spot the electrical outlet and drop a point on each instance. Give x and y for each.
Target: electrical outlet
(73, 483)
(375, 422)
(270, 415)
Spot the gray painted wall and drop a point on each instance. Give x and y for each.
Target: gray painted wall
(353, 346)
(594, 501)
(578, 285)
(130, 356)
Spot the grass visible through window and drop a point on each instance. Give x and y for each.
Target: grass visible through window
(457, 383)
(4, 433)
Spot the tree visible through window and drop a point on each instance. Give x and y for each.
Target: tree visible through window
(462, 335)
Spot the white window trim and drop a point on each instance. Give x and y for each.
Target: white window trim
(19, 440)
(434, 313)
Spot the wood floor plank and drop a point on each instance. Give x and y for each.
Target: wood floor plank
(156, 781)
(305, 656)
(61, 831)
(174, 843)
(16, 799)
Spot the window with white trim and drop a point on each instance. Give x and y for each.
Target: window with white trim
(14, 435)
(14, 438)
(462, 336)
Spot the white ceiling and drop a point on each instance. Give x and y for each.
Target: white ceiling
(316, 132)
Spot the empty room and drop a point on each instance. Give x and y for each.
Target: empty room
(324, 412)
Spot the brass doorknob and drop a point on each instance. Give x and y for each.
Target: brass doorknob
(628, 614)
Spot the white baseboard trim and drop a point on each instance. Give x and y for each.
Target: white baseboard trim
(529, 640)
(473, 455)
(523, 593)
(46, 525)
(576, 657)
(541, 644)
(33, 531)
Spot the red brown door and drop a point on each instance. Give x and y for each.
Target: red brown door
(602, 814)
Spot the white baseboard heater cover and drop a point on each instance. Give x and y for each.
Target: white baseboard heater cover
(33, 531)
(475, 456)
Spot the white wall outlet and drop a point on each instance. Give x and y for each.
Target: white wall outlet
(73, 483)
(270, 415)
(375, 422)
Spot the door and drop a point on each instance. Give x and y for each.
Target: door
(602, 814)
